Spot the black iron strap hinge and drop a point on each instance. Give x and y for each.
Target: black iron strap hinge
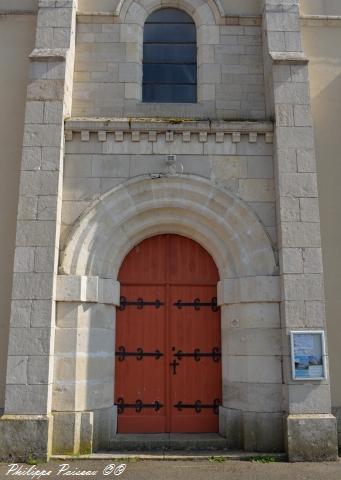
(198, 406)
(139, 354)
(138, 405)
(139, 303)
(196, 304)
(197, 354)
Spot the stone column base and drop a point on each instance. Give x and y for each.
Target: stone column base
(231, 427)
(80, 433)
(105, 427)
(25, 436)
(72, 433)
(311, 438)
(251, 431)
(337, 412)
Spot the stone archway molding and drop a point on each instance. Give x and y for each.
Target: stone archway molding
(87, 289)
(184, 204)
(204, 13)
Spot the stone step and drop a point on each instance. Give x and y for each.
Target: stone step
(168, 441)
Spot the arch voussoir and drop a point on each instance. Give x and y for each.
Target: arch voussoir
(203, 13)
(185, 204)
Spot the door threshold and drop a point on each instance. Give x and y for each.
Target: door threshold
(170, 455)
(149, 442)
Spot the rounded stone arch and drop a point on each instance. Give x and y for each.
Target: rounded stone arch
(207, 16)
(203, 13)
(186, 205)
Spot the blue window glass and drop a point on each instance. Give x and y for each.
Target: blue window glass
(169, 57)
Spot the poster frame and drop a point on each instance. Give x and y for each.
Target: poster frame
(321, 333)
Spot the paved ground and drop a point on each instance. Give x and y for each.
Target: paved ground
(178, 470)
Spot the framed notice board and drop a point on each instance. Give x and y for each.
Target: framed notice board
(308, 355)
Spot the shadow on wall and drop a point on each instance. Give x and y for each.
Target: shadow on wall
(322, 47)
(320, 7)
(19, 5)
(16, 42)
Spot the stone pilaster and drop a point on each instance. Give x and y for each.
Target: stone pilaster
(250, 416)
(310, 427)
(29, 369)
(84, 414)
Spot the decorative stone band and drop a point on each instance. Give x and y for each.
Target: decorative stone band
(81, 288)
(249, 290)
(168, 127)
(321, 20)
(5, 12)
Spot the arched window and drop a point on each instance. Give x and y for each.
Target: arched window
(169, 57)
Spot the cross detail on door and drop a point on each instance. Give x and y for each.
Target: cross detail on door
(174, 364)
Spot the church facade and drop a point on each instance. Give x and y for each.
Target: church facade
(168, 232)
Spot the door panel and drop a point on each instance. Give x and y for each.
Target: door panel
(198, 378)
(141, 378)
(146, 263)
(190, 263)
(174, 383)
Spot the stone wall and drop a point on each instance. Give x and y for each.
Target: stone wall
(234, 157)
(238, 159)
(320, 7)
(321, 39)
(19, 5)
(16, 31)
(108, 70)
(193, 206)
(31, 335)
(116, 181)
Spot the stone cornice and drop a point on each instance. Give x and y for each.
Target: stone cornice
(48, 53)
(80, 288)
(170, 127)
(17, 12)
(292, 58)
(321, 20)
(163, 125)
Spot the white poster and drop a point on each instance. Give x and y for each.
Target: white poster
(308, 355)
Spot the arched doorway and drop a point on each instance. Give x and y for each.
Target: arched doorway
(168, 339)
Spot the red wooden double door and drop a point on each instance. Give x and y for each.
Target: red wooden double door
(168, 340)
